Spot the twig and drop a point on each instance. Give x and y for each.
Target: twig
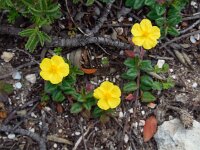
(66, 3)
(17, 68)
(54, 138)
(34, 136)
(159, 57)
(102, 19)
(180, 37)
(80, 138)
(83, 137)
(191, 17)
(190, 27)
(84, 40)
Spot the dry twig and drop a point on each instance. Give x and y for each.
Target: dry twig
(190, 27)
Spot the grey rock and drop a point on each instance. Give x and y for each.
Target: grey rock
(172, 135)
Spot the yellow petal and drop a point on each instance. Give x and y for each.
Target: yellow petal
(146, 25)
(106, 86)
(45, 64)
(56, 60)
(155, 32)
(136, 30)
(103, 104)
(55, 78)
(98, 93)
(63, 69)
(113, 103)
(138, 40)
(149, 43)
(45, 75)
(116, 92)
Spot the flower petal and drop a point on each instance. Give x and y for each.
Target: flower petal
(57, 60)
(103, 104)
(55, 78)
(138, 40)
(113, 103)
(116, 92)
(45, 64)
(106, 86)
(63, 69)
(98, 93)
(136, 30)
(155, 32)
(149, 43)
(146, 25)
(45, 75)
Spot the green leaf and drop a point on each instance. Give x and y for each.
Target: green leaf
(132, 62)
(129, 87)
(135, 4)
(89, 2)
(57, 96)
(149, 2)
(160, 21)
(157, 85)
(45, 98)
(97, 112)
(147, 97)
(145, 65)
(49, 88)
(169, 84)
(164, 68)
(76, 108)
(153, 15)
(6, 87)
(174, 20)
(89, 103)
(131, 74)
(146, 80)
(173, 31)
(32, 42)
(160, 10)
(27, 32)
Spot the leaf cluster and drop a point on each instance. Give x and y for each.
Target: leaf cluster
(137, 67)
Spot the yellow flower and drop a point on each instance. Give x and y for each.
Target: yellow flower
(54, 69)
(108, 95)
(144, 34)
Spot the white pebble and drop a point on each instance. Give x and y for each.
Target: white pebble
(141, 123)
(197, 36)
(131, 110)
(120, 19)
(121, 115)
(32, 129)
(188, 81)
(17, 85)
(16, 75)
(92, 57)
(33, 115)
(7, 56)
(60, 130)
(160, 63)
(143, 112)
(119, 30)
(96, 128)
(194, 4)
(121, 52)
(174, 76)
(192, 39)
(55, 145)
(47, 108)
(126, 138)
(171, 70)
(130, 19)
(31, 78)
(11, 136)
(194, 85)
(135, 124)
(77, 133)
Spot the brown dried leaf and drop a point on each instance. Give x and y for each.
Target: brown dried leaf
(129, 53)
(150, 128)
(88, 71)
(59, 108)
(3, 114)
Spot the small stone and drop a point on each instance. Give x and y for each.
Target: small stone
(11, 136)
(143, 112)
(55, 145)
(121, 115)
(121, 52)
(120, 19)
(33, 115)
(194, 4)
(182, 97)
(60, 130)
(192, 39)
(21, 113)
(135, 124)
(197, 36)
(141, 122)
(16, 75)
(32, 129)
(174, 76)
(7, 56)
(151, 105)
(194, 85)
(126, 138)
(185, 45)
(17, 85)
(31, 78)
(160, 63)
(119, 30)
(77, 133)
(171, 70)
(130, 110)
(130, 19)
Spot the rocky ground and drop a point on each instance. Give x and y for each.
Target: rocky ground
(26, 124)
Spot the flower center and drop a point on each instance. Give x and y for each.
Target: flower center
(53, 69)
(145, 34)
(107, 96)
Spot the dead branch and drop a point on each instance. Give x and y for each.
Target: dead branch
(190, 27)
(34, 136)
